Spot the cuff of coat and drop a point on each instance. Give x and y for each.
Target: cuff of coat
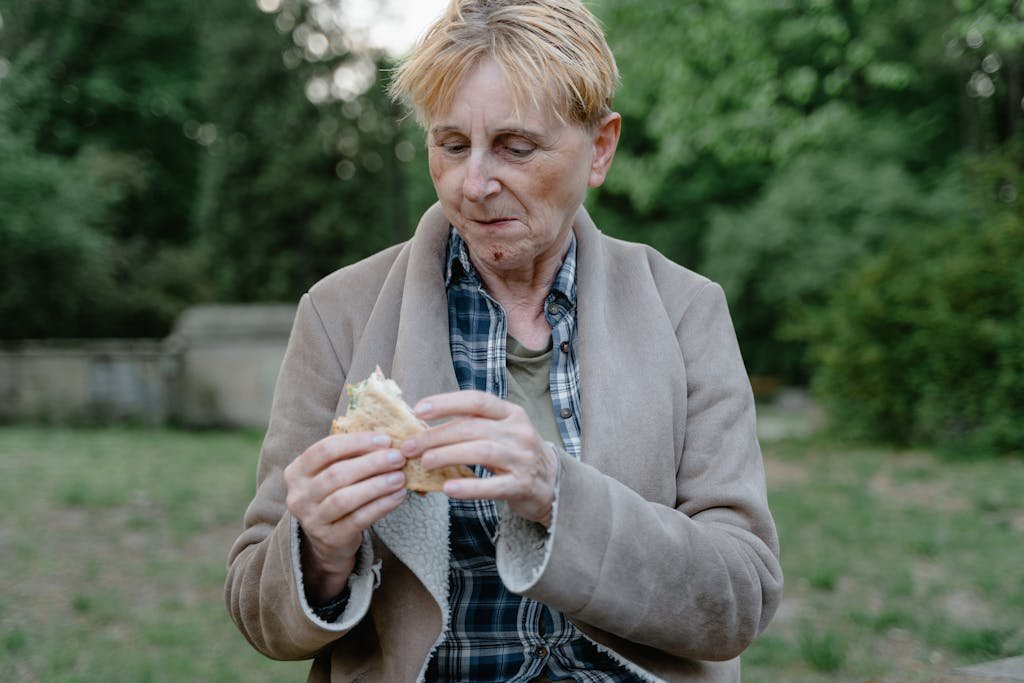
(359, 589)
(524, 547)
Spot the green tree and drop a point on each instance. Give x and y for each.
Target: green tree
(96, 95)
(986, 41)
(54, 268)
(922, 342)
(716, 96)
(775, 145)
(303, 166)
(819, 216)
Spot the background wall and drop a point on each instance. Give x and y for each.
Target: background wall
(217, 368)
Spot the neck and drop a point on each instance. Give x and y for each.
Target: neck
(523, 303)
(521, 294)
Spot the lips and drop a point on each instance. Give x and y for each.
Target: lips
(493, 221)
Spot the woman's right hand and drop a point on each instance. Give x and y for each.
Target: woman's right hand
(337, 489)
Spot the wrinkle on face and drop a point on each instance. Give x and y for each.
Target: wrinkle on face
(510, 182)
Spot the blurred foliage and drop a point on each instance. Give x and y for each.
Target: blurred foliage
(170, 184)
(773, 143)
(923, 341)
(818, 157)
(716, 96)
(293, 189)
(154, 155)
(820, 214)
(52, 229)
(97, 180)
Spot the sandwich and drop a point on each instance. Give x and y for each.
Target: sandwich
(376, 404)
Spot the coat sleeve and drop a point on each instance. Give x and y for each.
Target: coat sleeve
(698, 580)
(264, 591)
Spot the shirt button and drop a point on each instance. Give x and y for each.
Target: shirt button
(565, 413)
(564, 346)
(553, 309)
(540, 652)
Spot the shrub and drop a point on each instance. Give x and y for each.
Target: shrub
(844, 190)
(923, 342)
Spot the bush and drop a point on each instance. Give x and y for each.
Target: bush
(923, 342)
(54, 265)
(845, 188)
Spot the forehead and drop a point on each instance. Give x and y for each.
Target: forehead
(485, 96)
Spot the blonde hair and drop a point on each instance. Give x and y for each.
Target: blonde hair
(553, 53)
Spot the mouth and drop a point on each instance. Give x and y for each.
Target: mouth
(493, 222)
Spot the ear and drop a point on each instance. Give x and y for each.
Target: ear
(606, 139)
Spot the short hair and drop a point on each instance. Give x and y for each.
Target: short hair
(553, 53)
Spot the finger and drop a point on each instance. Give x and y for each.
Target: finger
(455, 431)
(484, 452)
(468, 402)
(530, 500)
(525, 465)
(363, 518)
(350, 471)
(342, 537)
(506, 487)
(346, 501)
(498, 487)
(336, 447)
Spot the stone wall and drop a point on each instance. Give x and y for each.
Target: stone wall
(225, 363)
(84, 382)
(216, 369)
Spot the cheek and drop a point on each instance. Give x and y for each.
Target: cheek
(559, 188)
(435, 169)
(557, 194)
(446, 182)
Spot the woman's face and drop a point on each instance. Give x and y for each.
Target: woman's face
(511, 183)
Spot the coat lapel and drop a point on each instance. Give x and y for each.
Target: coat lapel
(407, 335)
(625, 404)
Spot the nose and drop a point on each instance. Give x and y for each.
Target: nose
(479, 182)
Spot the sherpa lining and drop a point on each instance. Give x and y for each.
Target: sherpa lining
(414, 533)
(361, 584)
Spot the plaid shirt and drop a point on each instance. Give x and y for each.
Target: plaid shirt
(495, 635)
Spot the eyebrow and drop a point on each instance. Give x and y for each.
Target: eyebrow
(510, 130)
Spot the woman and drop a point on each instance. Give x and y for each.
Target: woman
(618, 529)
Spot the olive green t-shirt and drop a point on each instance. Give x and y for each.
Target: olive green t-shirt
(528, 381)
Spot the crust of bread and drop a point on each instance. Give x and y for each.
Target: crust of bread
(376, 405)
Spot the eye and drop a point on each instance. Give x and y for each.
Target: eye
(518, 151)
(518, 148)
(452, 144)
(454, 147)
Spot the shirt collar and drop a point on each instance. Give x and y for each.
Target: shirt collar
(459, 268)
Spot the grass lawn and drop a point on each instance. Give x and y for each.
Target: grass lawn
(114, 546)
(899, 566)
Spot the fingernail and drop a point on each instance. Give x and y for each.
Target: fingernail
(381, 440)
(394, 457)
(451, 488)
(409, 446)
(395, 478)
(423, 406)
(399, 494)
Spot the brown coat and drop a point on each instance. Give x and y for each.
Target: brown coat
(663, 550)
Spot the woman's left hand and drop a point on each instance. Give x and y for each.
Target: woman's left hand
(485, 430)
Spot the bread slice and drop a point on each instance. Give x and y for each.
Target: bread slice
(376, 404)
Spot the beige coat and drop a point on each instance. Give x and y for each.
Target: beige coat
(663, 550)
